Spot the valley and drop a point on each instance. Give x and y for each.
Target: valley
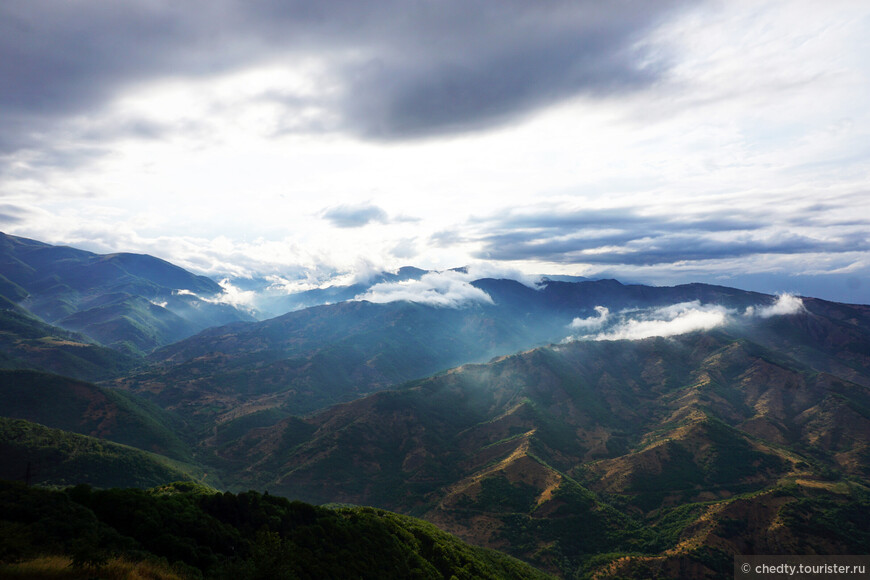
(588, 428)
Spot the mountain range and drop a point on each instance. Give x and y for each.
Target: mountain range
(588, 427)
(131, 302)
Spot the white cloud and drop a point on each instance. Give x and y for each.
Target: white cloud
(234, 296)
(281, 285)
(448, 289)
(785, 304)
(675, 319)
(593, 322)
(668, 321)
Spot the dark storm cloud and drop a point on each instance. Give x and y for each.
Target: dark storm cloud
(493, 75)
(63, 61)
(826, 214)
(557, 221)
(13, 214)
(623, 237)
(696, 247)
(404, 69)
(354, 216)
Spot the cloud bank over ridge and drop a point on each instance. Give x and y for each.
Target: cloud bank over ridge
(676, 319)
(450, 289)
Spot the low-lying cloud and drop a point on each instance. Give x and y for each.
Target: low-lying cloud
(785, 304)
(450, 289)
(668, 321)
(593, 322)
(231, 295)
(673, 320)
(234, 296)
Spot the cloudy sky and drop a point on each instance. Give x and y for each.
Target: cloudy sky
(660, 142)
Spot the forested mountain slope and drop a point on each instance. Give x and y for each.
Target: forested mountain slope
(587, 427)
(631, 447)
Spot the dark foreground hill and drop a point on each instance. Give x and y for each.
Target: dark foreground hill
(80, 407)
(186, 531)
(35, 453)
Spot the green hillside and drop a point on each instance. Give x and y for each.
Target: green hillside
(127, 322)
(72, 405)
(26, 342)
(54, 457)
(205, 534)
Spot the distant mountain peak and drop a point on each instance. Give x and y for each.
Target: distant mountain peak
(113, 297)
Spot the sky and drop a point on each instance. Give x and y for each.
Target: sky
(663, 142)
